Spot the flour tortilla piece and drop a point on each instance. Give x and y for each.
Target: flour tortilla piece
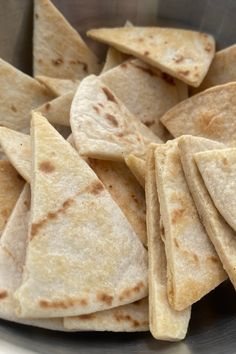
(11, 185)
(12, 256)
(209, 114)
(183, 54)
(128, 318)
(59, 51)
(146, 92)
(58, 87)
(19, 94)
(193, 267)
(221, 234)
(125, 191)
(137, 167)
(113, 59)
(102, 126)
(222, 69)
(76, 237)
(57, 111)
(165, 322)
(218, 170)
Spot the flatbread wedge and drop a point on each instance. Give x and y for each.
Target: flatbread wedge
(183, 54)
(76, 237)
(218, 170)
(208, 114)
(137, 167)
(58, 87)
(58, 49)
(146, 92)
(128, 318)
(193, 267)
(165, 322)
(102, 126)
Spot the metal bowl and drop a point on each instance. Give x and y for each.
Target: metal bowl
(213, 322)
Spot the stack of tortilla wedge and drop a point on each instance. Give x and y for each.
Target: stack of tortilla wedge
(118, 201)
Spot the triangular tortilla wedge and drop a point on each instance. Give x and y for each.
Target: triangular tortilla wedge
(137, 167)
(193, 267)
(128, 318)
(218, 170)
(126, 192)
(78, 235)
(208, 114)
(58, 87)
(19, 94)
(164, 49)
(57, 111)
(11, 185)
(221, 234)
(59, 51)
(222, 69)
(165, 322)
(12, 256)
(102, 126)
(146, 92)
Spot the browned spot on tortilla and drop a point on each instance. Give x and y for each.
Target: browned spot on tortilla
(176, 243)
(169, 79)
(27, 205)
(162, 230)
(63, 304)
(225, 161)
(195, 257)
(196, 74)
(47, 106)
(124, 65)
(83, 302)
(138, 287)
(177, 214)
(57, 62)
(102, 297)
(144, 69)
(213, 259)
(120, 135)
(128, 292)
(150, 123)
(208, 47)
(101, 105)
(135, 323)
(140, 39)
(135, 198)
(112, 119)
(72, 62)
(5, 212)
(13, 108)
(96, 109)
(109, 94)
(95, 188)
(146, 53)
(52, 216)
(40, 61)
(120, 317)
(46, 166)
(3, 294)
(206, 123)
(89, 316)
(183, 72)
(110, 186)
(36, 16)
(178, 58)
(85, 67)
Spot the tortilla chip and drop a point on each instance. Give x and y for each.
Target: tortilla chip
(222, 69)
(19, 94)
(57, 111)
(193, 267)
(102, 126)
(137, 167)
(59, 51)
(208, 114)
(58, 87)
(165, 322)
(125, 191)
(183, 54)
(75, 237)
(146, 92)
(218, 170)
(128, 318)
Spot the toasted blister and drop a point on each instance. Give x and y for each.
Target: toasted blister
(208, 114)
(76, 237)
(193, 266)
(165, 322)
(221, 71)
(19, 94)
(128, 318)
(137, 166)
(183, 54)
(58, 87)
(146, 91)
(218, 170)
(58, 49)
(103, 127)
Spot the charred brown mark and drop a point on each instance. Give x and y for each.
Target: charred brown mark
(146, 53)
(144, 69)
(13, 108)
(95, 188)
(60, 304)
(169, 79)
(150, 123)
(36, 16)
(111, 119)
(40, 61)
(195, 257)
(208, 47)
(213, 259)
(177, 214)
(225, 161)
(120, 135)
(109, 94)
(97, 110)
(176, 243)
(57, 62)
(27, 204)
(140, 39)
(89, 316)
(135, 199)
(47, 106)
(128, 292)
(46, 166)
(183, 72)
(124, 65)
(126, 318)
(3, 294)
(101, 105)
(107, 299)
(178, 59)
(5, 212)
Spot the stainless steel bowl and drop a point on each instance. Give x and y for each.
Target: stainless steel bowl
(213, 323)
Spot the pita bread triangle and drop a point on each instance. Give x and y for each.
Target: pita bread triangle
(102, 126)
(218, 170)
(207, 114)
(163, 48)
(58, 87)
(19, 94)
(59, 51)
(165, 322)
(137, 167)
(193, 267)
(221, 234)
(75, 237)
